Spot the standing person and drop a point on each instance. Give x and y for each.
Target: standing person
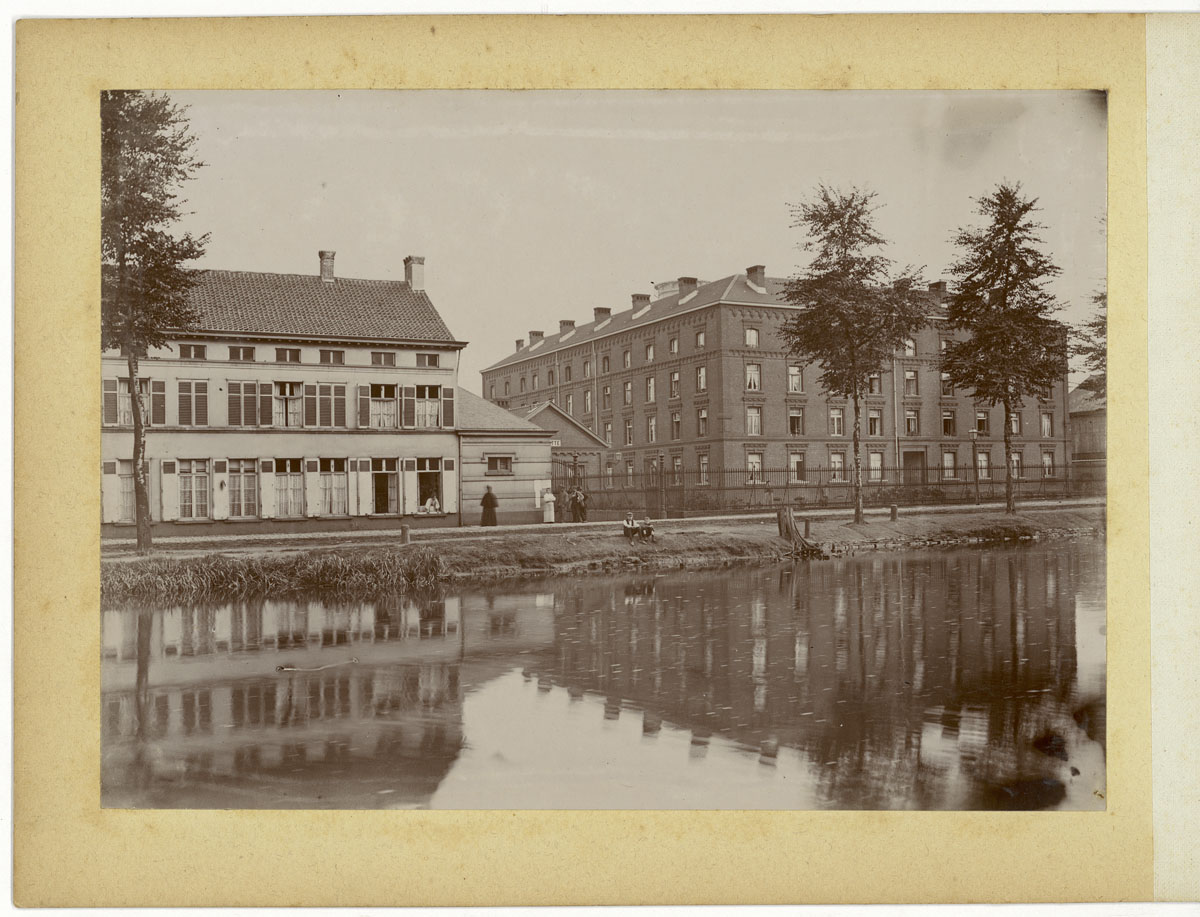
(548, 505)
(581, 502)
(489, 504)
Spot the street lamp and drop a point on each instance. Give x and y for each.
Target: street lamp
(975, 460)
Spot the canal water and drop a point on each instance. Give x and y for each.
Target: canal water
(948, 679)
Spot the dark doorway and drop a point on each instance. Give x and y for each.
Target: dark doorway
(914, 467)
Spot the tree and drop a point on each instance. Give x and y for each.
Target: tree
(853, 313)
(1014, 349)
(146, 153)
(1092, 345)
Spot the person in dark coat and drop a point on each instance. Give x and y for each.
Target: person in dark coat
(489, 503)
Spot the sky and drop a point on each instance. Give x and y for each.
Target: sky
(535, 206)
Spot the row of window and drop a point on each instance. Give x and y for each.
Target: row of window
(245, 354)
(750, 339)
(836, 426)
(194, 487)
(838, 470)
(286, 404)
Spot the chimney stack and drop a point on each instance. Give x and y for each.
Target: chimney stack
(414, 271)
(757, 275)
(602, 314)
(565, 325)
(687, 285)
(520, 343)
(534, 337)
(327, 266)
(640, 300)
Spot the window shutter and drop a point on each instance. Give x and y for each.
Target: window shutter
(364, 406)
(408, 407)
(109, 387)
(310, 405)
(235, 404)
(185, 403)
(339, 405)
(264, 404)
(447, 406)
(158, 402)
(325, 404)
(201, 404)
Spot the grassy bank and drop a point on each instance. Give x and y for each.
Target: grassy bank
(364, 570)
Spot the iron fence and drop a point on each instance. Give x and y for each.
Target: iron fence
(671, 493)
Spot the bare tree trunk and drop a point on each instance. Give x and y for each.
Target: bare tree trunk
(1010, 505)
(141, 488)
(858, 488)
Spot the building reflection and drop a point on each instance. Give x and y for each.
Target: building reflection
(905, 682)
(299, 704)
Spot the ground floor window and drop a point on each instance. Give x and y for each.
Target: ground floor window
(677, 469)
(385, 486)
(429, 484)
(243, 487)
(1048, 464)
(754, 467)
(949, 464)
(797, 465)
(128, 503)
(629, 473)
(837, 466)
(875, 466)
(499, 464)
(983, 466)
(289, 487)
(1016, 464)
(703, 470)
(334, 499)
(608, 475)
(193, 489)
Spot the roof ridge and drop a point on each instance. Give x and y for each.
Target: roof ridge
(223, 270)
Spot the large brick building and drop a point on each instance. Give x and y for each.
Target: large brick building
(310, 401)
(701, 380)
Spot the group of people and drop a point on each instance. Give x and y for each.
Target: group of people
(574, 501)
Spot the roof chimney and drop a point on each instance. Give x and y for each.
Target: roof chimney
(687, 285)
(757, 275)
(534, 337)
(640, 300)
(520, 343)
(565, 325)
(327, 266)
(414, 271)
(602, 314)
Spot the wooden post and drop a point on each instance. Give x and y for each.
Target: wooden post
(404, 534)
(895, 512)
(807, 528)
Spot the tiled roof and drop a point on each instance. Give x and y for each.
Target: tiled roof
(303, 304)
(476, 414)
(1080, 401)
(553, 408)
(728, 289)
(732, 289)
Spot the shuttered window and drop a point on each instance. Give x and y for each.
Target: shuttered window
(193, 403)
(325, 405)
(243, 404)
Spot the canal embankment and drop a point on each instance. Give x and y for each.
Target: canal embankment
(182, 572)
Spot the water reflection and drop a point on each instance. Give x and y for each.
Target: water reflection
(959, 679)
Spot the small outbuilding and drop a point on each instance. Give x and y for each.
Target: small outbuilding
(504, 452)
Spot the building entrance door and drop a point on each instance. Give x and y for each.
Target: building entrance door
(914, 467)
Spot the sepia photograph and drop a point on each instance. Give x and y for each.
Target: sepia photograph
(603, 449)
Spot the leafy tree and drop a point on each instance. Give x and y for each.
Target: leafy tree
(1092, 345)
(853, 313)
(146, 153)
(1015, 349)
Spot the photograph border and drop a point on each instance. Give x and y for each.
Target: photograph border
(68, 851)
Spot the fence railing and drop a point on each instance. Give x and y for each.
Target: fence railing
(694, 492)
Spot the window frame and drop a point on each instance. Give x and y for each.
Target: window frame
(500, 458)
(332, 357)
(286, 354)
(383, 358)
